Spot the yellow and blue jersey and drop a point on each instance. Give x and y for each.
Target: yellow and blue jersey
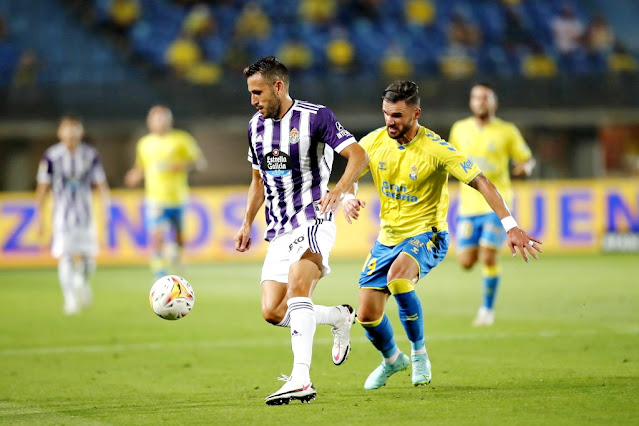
(156, 154)
(491, 147)
(412, 181)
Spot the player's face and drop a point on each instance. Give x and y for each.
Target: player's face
(159, 120)
(70, 132)
(264, 95)
(483, 102)
(399, 117)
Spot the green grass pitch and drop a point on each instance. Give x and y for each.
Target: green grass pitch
(564, 350)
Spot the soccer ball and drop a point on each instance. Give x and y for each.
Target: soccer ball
(171, 297)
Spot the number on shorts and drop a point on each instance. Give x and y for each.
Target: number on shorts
(370, 264)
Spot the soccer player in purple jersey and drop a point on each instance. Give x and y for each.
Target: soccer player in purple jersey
(70, 169)
(291, 149)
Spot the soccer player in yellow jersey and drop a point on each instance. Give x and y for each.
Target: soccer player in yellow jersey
(491, 143)
(410, 165)
(163, 159)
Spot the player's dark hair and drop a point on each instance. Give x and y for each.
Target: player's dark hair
(270, 67)
(71, 117)
(402, 90)
(485, 84)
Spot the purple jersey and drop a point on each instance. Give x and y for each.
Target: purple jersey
(295, 158)
(71, 176)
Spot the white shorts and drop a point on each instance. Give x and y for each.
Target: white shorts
(288, 248)
(75, 241)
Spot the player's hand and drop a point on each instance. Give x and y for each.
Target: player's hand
(518, 239)
(243, 239)
(519, 170)
(133, 177)
(330, 201)
(351, 208)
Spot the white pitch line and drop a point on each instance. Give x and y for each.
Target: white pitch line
(127, 347)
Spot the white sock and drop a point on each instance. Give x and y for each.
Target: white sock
(330, 315)
(324, 315)
(302, 331)
(66, 277)
(421, 351)
(392, 358)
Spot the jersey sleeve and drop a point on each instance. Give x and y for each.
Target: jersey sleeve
(97, 171)
(456, 163)
(252, 156)
(519, 150)
(45, 170)
(139, 154)
(192, 151)
(331, 131)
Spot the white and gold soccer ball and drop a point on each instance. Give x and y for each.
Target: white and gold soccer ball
(171, 297)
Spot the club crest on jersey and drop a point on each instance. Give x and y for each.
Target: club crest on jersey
(341, 131)
(294, 136)
(413, 173)
(276, 163)
(382, 165)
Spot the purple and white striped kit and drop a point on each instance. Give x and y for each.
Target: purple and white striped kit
(71, 176)
(295, 158)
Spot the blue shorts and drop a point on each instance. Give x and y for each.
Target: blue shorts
(158, 216)
(484, 230)
(428, 250)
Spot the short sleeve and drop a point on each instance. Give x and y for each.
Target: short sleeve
(519, 150)
(45, 170)
(97, 171)
(331, 131)
(252, 156)
(139, 154)
(191, 148)
(456, 163)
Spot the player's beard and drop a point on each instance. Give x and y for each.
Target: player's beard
(401, 131)
(273, 110)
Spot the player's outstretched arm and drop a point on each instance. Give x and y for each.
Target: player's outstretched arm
(357, 161)
(254, 201)
(517, 238)
(134, 176)
(351, 205)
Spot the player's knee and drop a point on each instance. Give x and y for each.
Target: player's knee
(272, 316)
(366, 317)
(466, 263)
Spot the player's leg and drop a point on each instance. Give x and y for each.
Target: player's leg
(492, 237)
(419, 255)
(174, 249)
(66, 278)
(156, 225)
(301, 278)
(373, 295)
(84, 268)
(467, 242)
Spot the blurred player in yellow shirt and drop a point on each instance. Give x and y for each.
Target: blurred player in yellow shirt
(163, 159)
(491, 143)
(410, 165)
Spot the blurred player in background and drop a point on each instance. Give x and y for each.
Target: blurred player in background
(70, 169)
(410, 165)
(163, 160)
(291, 149)
(491, 143)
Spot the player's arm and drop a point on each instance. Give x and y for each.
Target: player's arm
(523, 169)
(254, 201)
(516, 236)
(105, 199)
(42, 190)
(135, 175)
(357, 162)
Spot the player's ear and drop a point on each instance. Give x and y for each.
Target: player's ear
(417, 113)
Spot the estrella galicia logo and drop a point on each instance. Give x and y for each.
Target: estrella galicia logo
(382, 165)
(276, 163)
(467, 165)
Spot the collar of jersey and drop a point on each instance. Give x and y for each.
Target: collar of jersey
(419, 133)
